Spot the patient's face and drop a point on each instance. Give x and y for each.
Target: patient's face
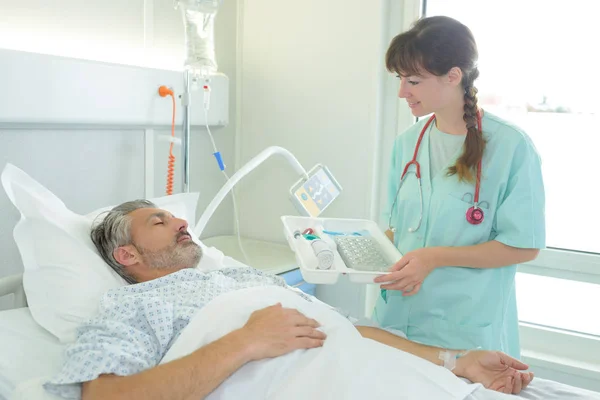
(162, 240)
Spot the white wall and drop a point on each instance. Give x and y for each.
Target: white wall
(309, 82)
(312, 80)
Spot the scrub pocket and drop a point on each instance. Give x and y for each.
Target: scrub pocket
(392, 310)
(451, 228)
(451, 335)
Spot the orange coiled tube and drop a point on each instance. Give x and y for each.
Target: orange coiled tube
(165, 91)
(170, 171)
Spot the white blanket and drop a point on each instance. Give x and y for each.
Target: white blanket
(346, 367)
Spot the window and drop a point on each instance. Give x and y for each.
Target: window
(537, 70)
(555, 302)
(135, 32)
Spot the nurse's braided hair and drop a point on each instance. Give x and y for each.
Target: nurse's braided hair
(436, 45)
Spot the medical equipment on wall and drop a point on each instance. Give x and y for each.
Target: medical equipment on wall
(255, 162)
(352, 247)
(474, 214)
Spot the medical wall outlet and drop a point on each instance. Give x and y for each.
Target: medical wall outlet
(313, 195)
(359, 248)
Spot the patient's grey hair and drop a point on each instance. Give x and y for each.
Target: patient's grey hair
(114, 231)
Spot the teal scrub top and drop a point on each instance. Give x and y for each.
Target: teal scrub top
(458, 307)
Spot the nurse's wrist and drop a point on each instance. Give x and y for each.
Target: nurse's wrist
(438, 257)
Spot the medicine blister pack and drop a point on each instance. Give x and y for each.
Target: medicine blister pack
(362, 253)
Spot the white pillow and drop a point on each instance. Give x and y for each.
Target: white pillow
(64, 276)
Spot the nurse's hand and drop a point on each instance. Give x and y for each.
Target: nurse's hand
(408, 274)
(495, 370)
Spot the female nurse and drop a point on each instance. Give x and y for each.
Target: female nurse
(466, 200)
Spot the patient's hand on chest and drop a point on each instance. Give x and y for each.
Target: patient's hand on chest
(275, 331)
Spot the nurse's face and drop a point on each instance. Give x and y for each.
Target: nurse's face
(428, 93)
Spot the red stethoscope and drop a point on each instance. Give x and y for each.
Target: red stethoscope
(474, 213)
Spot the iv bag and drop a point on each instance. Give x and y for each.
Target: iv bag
(199, 22)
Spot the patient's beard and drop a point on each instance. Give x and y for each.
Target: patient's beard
(175, 256)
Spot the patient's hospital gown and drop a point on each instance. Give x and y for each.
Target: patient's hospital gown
(137, 324)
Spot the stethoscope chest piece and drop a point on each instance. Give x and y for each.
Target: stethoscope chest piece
(475, 215)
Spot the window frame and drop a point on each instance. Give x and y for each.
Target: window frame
(565, 264)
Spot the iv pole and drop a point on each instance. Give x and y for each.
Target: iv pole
(186, 100)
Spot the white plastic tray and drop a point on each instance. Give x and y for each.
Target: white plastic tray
(308, 261)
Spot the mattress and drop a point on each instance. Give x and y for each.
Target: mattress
(27, 351)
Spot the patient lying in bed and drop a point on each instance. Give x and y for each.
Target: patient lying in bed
(178, 332)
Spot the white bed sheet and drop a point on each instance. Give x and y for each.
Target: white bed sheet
(29, 356)
(27, 351)
(543, 389)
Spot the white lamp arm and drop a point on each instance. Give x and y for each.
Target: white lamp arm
(242, 172)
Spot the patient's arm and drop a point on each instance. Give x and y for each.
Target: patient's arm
(195, 375)
(495, 370)
(269, 332)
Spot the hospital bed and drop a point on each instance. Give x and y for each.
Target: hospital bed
(65, 278)
(29, 354)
